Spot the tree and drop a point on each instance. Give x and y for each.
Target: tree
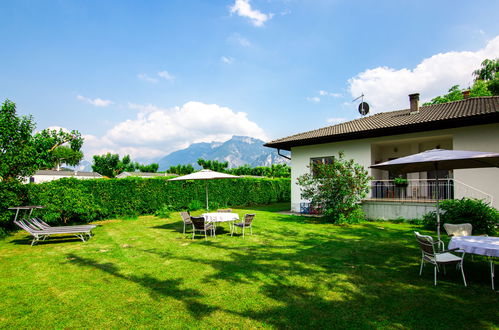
(151, 168)
(181, 169)
(110, 165)
(486, 83)
(488, 71)
(106, 165)
(336, 188)
(213, 165)
(57, 147)
(22, 153)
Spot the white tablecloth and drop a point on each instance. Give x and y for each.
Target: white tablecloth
(220, 217)
(487, 246)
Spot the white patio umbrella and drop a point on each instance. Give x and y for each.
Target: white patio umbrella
(440, 159)
(205, 175)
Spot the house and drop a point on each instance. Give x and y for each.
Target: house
(141, 175)
(469, 124)
(50, 175)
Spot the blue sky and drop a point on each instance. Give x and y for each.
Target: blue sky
(149, 77)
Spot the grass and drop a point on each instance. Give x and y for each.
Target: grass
(294, 272)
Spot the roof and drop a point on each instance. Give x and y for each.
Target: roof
(142, 174)
(472, 111)
(68, 173)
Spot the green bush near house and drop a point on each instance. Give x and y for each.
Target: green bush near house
(482, 217)
(71, 200)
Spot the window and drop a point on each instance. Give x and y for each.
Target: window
(320, 160)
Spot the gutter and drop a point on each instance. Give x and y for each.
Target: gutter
(279, 153)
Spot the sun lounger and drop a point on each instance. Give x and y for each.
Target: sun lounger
(39, 234)
(40, 224)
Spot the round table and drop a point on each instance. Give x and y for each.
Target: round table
(215, 217)
(482, 245)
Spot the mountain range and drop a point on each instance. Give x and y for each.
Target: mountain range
(238, 151)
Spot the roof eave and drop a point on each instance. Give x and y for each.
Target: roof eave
(388, 131)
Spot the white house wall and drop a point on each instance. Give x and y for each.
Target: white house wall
(478, 138)
(483, 138)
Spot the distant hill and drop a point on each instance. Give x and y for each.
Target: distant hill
(238, 151)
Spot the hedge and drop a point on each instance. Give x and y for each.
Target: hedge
(70, 200)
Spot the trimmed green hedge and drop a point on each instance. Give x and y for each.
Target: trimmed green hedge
(71, 200)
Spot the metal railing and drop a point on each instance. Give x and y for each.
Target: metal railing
(424, 190)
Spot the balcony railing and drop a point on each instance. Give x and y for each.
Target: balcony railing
(424, 190)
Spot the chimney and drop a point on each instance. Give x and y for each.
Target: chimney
(466, 94)
(414, 100)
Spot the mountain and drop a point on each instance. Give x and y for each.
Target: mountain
(238, 151)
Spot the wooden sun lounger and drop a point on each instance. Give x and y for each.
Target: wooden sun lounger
(39, 234)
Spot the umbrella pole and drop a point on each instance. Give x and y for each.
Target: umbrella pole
(438, 202)
(207, 209)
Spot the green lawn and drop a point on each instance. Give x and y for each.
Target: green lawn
(294, 272)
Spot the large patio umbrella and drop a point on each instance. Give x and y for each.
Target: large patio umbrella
(205, 175)
(440, 159)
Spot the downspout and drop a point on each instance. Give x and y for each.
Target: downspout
(279, 153)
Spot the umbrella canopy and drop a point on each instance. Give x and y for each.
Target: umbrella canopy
(440, 159)
(205, 175)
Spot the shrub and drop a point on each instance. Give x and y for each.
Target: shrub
(164, 212)
(75, 200)
(336, 188)
(195, 205)
(482, 217)
(12, 193)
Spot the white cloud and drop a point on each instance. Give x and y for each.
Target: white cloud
(326, 93)
(236, 38)
(227, 60)
(144, 77)
(165, 75)
(161, 74)
(98, 102)
(157, 131)
(243, 9)
(337, 120)
(314, 99)
(388, 89)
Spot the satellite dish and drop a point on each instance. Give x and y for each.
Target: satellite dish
(363, 108)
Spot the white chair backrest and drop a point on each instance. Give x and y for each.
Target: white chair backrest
(462, 229)
(426, 244)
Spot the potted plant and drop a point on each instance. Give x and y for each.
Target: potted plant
(400, 182)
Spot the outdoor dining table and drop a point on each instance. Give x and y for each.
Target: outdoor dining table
(215, 217)
(482, 245)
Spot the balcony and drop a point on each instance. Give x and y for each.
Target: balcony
(423, 190)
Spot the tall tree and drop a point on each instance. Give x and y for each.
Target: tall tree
(488, 71)
(22, 153)
(106, 165)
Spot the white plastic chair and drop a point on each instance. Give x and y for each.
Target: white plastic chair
(429, 255)
(462, 229)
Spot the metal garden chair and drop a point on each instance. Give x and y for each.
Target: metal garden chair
(247, 222)
(429, 255)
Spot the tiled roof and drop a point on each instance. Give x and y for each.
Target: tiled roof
(68, 173)
(473, 111)
(142, 174)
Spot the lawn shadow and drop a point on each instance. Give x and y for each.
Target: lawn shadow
(352, 278)
(48, 241)
(170, 287)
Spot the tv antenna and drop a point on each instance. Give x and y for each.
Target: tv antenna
(363, 106)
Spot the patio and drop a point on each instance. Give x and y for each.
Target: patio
(294, 272)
